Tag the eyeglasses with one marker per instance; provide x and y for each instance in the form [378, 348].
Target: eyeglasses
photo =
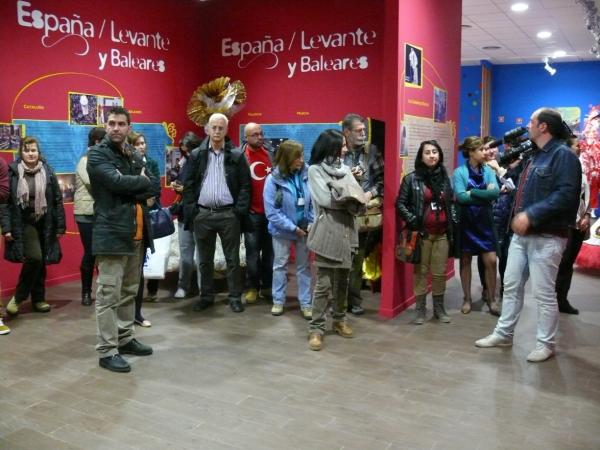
[360, 131]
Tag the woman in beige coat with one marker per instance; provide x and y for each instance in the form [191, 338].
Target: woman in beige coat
[84, 217]
[337, 199]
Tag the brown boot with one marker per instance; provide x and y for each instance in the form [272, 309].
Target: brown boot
[343, 329]
[315, 341]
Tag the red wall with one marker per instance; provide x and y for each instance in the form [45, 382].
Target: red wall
[207, 39]
[437, 32]
[311, 96]
[41, 67]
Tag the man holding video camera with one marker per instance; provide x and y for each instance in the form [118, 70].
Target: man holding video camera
[545, 207]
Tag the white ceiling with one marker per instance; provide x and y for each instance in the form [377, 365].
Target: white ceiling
[493, 23]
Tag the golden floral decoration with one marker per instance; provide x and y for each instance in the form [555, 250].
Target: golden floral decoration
[217, 96]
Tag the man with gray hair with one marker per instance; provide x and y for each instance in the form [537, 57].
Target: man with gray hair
[366, 164]
[216, 198]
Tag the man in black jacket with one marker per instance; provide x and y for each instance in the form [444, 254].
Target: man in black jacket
[216, 199]
[120, 187]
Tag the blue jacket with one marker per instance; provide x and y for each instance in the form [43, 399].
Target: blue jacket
[474, 196]
[282, 220]
[552, 188]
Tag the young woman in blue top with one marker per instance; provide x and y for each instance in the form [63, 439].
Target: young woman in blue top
[288, 208]
[476, 188]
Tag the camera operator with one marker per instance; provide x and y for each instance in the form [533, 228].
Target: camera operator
[545, 207]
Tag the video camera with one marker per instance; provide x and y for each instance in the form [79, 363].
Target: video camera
[516, 145]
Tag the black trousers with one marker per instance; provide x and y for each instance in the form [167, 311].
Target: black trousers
[259, 254]
[207, 224]
[565, 269]
[32, 278]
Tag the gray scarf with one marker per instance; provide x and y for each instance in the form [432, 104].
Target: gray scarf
[39, 179]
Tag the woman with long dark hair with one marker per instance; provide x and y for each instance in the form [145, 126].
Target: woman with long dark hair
[32, 223]
[337, 199]
[476, 189]
[84, 217]
[426, 204]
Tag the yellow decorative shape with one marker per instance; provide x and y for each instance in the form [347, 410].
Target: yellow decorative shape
[217, 96]
[170, 129]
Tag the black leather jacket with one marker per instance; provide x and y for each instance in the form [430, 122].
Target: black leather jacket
[410, 206]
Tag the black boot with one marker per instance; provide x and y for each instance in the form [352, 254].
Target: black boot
[87, 275]
[565, 307]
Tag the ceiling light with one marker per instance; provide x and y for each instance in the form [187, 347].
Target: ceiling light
[559, 54]
[549, 69]
[491, 47]
[544, 34]
[519, 7]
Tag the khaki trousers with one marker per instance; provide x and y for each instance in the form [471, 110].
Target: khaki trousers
[118, 282]
[434, 256]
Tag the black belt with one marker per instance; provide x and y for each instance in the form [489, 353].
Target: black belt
[216, 208]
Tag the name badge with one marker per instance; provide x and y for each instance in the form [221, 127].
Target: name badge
[300, 201]
[434, 206]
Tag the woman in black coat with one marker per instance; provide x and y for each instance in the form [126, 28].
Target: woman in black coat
[32, 223]
[426, 204]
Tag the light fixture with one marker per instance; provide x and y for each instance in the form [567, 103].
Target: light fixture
[491, 47]
[544, 34]
[551, 70]
[519, 7]
[559, 54]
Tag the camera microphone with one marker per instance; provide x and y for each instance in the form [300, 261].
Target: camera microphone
[509, 137]
[496, 143]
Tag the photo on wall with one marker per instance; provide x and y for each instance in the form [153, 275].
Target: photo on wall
[104, 106]
[413, 66]
[83, 109]
[66, 183]
[440, 105]
[10, 136]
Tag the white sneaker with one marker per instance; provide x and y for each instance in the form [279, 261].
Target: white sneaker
[541, 353]
[493, 340]
[180, 293]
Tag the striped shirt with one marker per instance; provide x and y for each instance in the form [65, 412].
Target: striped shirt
[214, 192]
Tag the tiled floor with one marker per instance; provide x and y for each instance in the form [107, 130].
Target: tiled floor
[220, 380]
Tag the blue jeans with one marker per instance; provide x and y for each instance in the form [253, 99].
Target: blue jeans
[281, 251]
[538, 257]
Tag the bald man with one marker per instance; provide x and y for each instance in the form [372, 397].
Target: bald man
[259, 246]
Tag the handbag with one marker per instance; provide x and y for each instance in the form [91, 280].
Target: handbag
[372, 219]
[161, 222]
[408, 249]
